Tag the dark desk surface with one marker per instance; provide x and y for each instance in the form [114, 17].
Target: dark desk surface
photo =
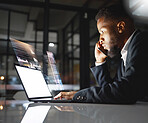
[15, 111]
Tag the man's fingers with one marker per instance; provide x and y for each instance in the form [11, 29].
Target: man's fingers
[58, 96]
[66, 95]
[61, 95]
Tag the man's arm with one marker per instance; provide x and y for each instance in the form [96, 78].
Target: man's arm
[100, 71]
[101, 74]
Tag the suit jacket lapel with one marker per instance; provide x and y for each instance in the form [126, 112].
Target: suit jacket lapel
[131, 43]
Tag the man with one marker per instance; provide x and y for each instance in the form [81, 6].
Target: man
[117, 33]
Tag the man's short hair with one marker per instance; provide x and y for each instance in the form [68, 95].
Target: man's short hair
[114, 12]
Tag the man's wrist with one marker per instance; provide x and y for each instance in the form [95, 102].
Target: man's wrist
[99, 63]
[100, 60]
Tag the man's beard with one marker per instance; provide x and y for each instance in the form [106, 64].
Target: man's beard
[114, 51]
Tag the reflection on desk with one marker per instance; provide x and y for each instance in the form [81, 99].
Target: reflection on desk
[37, 113]
[104, 113]
[17, 111]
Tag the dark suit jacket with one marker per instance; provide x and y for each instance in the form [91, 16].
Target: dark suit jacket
[130, 82]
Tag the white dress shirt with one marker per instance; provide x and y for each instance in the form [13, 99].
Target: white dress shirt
[123, 51]
[125, 48]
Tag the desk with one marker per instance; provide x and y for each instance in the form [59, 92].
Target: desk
[14, 111]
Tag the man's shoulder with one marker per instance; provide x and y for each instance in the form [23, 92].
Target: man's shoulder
[139, 43]
[139, 37]
[141, 34]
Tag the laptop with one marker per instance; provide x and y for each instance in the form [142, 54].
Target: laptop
[35, 114]
[35, 85]
[26, 56]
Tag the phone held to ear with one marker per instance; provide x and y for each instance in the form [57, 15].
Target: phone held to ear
[101, 49]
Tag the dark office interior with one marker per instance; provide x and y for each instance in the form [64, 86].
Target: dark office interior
[67, 28]
[68, 25]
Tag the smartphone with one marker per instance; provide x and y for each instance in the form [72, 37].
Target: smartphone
[101, 49]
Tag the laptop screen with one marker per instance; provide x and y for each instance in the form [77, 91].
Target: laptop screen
[33, 82]
[25, 54]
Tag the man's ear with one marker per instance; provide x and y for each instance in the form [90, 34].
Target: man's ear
[121, 26]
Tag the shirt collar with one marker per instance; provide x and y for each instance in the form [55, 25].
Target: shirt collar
[125, 47]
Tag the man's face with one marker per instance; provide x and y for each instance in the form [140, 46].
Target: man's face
[109, 37]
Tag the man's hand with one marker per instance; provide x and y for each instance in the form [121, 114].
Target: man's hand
[66, 95]
[100, 57]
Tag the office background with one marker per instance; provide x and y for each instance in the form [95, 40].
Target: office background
[65, 27]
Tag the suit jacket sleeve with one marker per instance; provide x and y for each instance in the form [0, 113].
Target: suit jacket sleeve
[129, 87]
[101, 74]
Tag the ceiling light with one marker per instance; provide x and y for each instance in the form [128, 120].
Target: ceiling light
[51, 44]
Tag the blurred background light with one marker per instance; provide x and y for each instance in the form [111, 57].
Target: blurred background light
[2, 77]
[51, 44]
[138, 9]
